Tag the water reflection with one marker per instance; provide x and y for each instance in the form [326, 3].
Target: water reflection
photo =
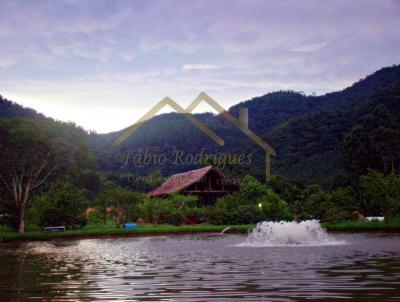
[200, 268]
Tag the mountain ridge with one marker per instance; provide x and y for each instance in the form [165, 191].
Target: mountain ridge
[287, 120]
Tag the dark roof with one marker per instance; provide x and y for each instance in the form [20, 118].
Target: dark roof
[181, 181]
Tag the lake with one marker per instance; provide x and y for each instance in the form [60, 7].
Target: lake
[202, 268]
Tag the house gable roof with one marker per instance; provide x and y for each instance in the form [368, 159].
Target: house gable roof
[181, 181]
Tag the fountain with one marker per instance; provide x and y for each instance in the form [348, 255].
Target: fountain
[304, 233]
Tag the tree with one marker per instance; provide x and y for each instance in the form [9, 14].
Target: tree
[381, 193]
[373, 144]
[32, 151]
[173, 209]
[289, 191]
[61, 201]
[252, 203]
[120, 202]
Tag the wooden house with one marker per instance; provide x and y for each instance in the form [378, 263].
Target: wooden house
[208, 183]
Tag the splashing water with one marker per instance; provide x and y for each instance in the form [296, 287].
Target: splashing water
[304, 233]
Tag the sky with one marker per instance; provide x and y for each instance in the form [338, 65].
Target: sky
[104, 64]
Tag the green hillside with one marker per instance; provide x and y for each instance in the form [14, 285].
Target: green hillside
[312, 147]
[306, 131]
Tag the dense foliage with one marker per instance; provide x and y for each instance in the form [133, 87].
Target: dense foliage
[176, 209]
[381, 194]
[118, 204]
[252, 203]
[374, 143]
[308, 132]
[63, 202]
[338, 159]
[33, 151]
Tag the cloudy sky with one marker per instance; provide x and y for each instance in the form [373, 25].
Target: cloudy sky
[103, 64]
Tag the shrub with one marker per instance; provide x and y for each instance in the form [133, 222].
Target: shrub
[231, 209]
[254, 202]
[381, 193]
[94, 218]
[392, 208]
[175, 218]
[345, 199]
[119, 204]
[63, 203]
[335, 214]
[171, 209]
[356, 216]
[275, 208]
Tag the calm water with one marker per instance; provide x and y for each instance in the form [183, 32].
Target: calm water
[200, 268]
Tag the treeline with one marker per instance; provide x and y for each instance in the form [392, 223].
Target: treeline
[34, 153]
[49, 177]
[377, 195]
[338, 158]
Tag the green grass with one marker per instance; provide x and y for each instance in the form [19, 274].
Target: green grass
[390, 225]
[98, 230]
[7, 234]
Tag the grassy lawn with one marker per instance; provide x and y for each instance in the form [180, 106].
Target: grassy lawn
[109, 229]
[7, 234]
[390, 225]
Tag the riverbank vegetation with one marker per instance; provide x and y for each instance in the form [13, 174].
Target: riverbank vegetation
[104, 213]
[43, 190]
[55, 173]
[389, 225]
[109, 230]
[7, 234]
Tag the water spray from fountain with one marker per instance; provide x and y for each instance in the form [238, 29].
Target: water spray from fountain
[304, 233]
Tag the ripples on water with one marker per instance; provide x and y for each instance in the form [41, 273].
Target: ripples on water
[200, 268]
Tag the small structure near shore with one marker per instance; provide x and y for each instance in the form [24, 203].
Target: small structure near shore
[208, 183]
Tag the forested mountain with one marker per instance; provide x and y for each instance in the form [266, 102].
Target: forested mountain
[265, 112]
[9, 109]
[27, 136]
[306, 131]
[311, 134]
[313, 147]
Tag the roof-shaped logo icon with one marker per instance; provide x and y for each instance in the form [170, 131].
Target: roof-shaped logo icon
[241, 123]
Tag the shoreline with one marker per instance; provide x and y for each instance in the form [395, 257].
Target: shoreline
[362, 230]
[168, 230]
[110, 236]
[11, 237]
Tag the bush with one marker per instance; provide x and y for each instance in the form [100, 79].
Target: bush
[171, 209]
[331, 206]
[195, 215]
[381, 194]
[275, 208]
[345, 199]
[335, 214]
[118, 204]
[356, 216]
[231, 209]
[254, 202]
[62, 204]
[94, 218]
[392, 208]
[175, 218]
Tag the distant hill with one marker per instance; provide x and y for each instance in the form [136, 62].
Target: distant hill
[306, 131]
[12, 110]
[310, 147]
[273, 109]
[9, 109]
